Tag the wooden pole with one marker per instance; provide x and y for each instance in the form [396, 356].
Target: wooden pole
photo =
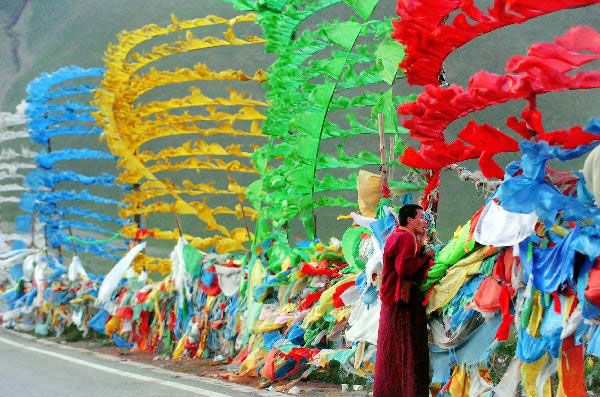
[73, 242]
[245, 219]
[32, 229]
[391, 156]
[137, 218]
[49, 150]
[382, 154]
[178, 225]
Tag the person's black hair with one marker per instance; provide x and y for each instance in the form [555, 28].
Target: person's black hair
[408, 211]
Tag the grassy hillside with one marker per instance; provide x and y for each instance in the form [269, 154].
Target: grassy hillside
[55, 33]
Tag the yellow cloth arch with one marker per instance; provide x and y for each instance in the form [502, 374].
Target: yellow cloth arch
[128, 125]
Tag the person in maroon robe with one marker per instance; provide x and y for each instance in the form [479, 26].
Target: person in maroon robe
[402, 364]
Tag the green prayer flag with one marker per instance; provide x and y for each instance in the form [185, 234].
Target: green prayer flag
[389, 54]
[192, 259]
[350, 247]
[344, 34]
[364, 8]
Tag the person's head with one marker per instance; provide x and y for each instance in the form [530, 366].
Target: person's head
[412, 217]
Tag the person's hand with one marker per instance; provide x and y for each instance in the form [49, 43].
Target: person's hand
[429, 252]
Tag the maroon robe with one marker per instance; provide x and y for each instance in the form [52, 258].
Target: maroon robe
[402, 364]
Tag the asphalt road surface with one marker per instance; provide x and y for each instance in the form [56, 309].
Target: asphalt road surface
[37, 367]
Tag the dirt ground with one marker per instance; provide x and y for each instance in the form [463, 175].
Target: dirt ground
[208, 368]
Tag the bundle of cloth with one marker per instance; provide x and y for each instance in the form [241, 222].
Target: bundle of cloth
[298, 307]
[523, 271]
[41, 295]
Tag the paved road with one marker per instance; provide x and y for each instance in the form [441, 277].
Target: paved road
[37, 367]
